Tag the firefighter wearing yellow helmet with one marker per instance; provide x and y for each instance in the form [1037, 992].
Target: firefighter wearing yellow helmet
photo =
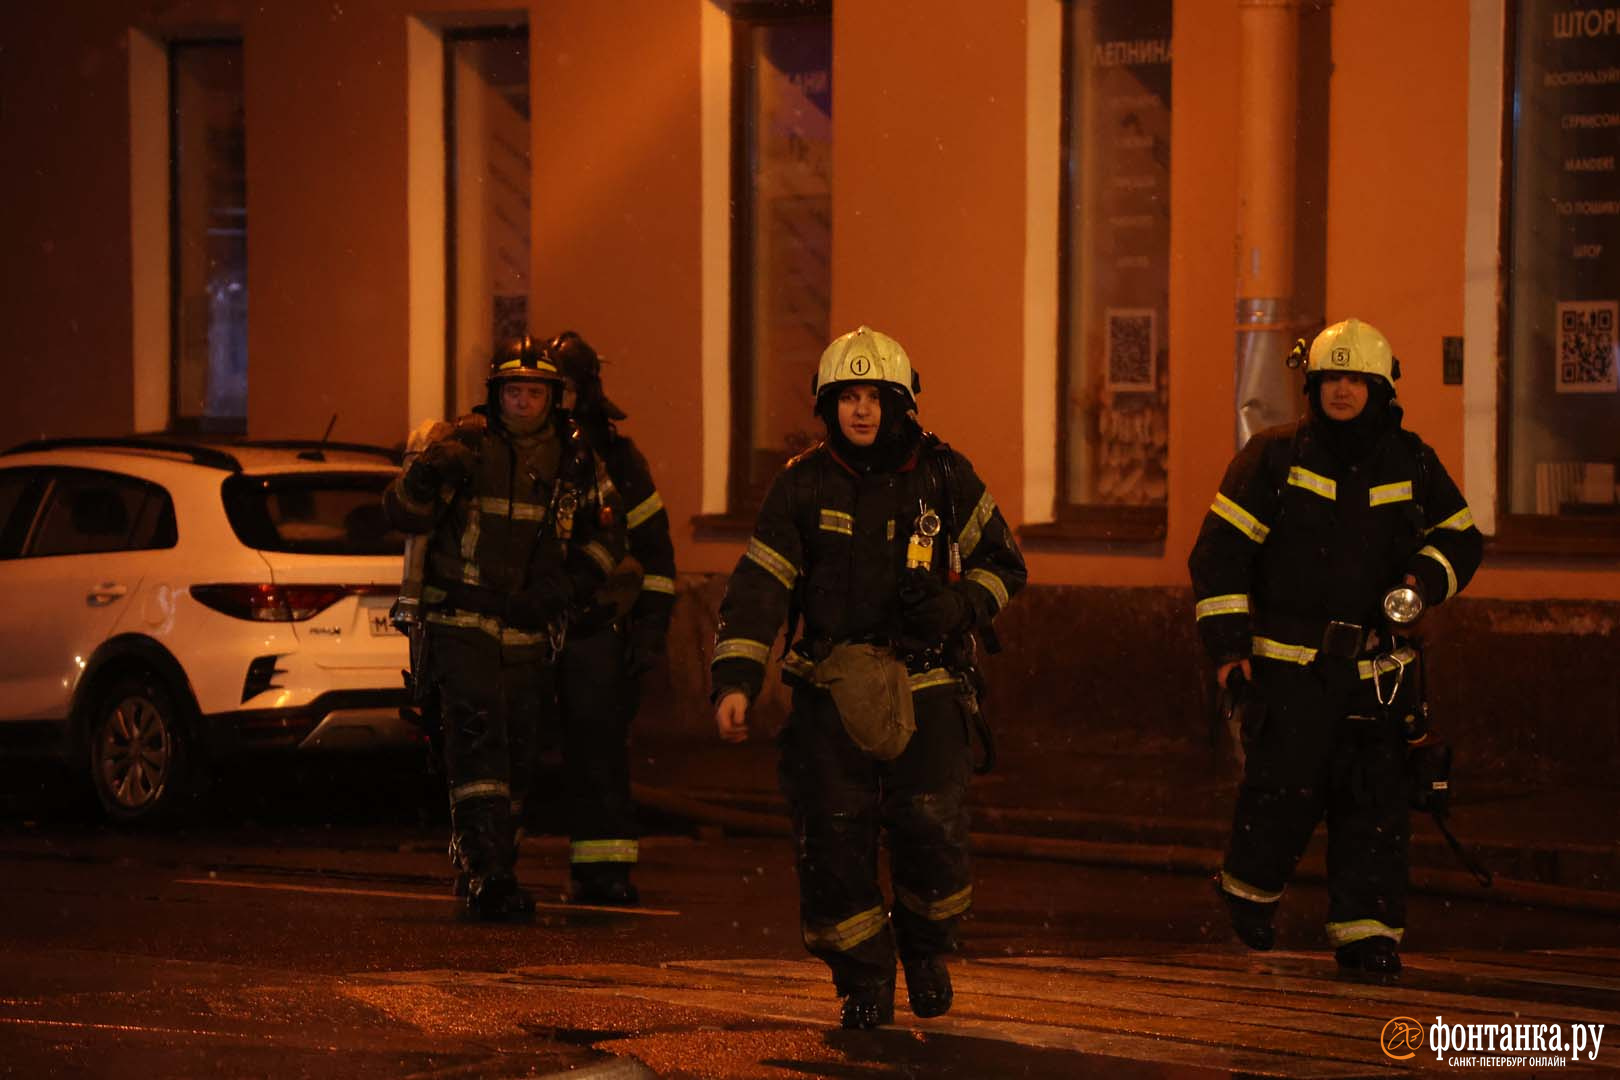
[1353, 346]
[1315, 523]
[890, 554]
[505, 502]
[866, 356]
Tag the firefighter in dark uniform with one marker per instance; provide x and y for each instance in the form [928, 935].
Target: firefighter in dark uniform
[887, 546]
[507, 499]
[1314, 523]
[613, 644]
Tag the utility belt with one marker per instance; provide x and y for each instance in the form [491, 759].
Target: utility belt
[478, 599]
[1325, 637]
[489, 603]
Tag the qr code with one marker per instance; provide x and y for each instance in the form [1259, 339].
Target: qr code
[1586, 347]
[1133, 346]
[511, 316]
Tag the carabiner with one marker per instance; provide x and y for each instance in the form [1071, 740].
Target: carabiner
[1378, 670]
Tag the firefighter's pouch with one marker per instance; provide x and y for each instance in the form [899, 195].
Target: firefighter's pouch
[1429, 774]
[871, 689]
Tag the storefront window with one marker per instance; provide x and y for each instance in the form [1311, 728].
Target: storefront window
[781, 233]
[209, 236]
[1114, 374]
[1561, 407]
[488, 172]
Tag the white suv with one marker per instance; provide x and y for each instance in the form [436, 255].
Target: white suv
[171, 603]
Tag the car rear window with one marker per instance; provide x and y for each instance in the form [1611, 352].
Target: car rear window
[312, 513]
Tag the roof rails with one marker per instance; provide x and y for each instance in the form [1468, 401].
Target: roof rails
[312, 449]
[210, 456]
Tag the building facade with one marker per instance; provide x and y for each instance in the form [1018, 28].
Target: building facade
[1095, 225]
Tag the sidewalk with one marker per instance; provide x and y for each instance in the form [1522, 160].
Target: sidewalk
[1169, 801]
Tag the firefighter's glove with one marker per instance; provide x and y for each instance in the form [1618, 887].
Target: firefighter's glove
[642, 648]
[929, 611]
[540, 604]
[451, 459]
[447, 462]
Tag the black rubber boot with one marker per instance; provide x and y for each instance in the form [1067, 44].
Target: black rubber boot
[928, 985]
[869, 1006]
[497, 898]
[1378, 957]
[607, 884]
[1251, 920]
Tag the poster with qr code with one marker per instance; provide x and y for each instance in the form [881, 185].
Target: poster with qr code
[1586, 361]
[1132, 349]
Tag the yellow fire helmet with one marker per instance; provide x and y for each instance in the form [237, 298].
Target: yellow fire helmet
[865, 356]
[1353, 345]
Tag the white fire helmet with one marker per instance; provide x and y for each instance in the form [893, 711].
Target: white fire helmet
[1353, 345]
[866, 356]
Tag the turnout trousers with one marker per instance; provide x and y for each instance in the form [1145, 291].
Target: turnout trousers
[491, 712]
[1324, 750]
[598, 702]
[842, 801]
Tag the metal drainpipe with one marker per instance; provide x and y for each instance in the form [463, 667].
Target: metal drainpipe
[1268, 107]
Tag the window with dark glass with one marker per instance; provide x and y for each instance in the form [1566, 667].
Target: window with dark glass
[20, 491]
[208, 236]
[781, 234]
[1560, 408]
[488, 185]
[1114, 269]
[88, 512]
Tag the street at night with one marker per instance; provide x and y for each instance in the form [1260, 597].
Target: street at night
[266, 942]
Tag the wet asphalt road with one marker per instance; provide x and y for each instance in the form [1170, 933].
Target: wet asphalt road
[294, 932]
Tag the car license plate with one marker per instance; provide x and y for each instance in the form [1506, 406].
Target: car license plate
[377, 616]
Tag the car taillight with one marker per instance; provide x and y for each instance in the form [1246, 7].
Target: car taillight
[272, 603]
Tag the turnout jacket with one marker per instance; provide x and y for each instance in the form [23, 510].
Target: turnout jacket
[1297, 537]
[647, 526]
[835, 540]
[499, 530]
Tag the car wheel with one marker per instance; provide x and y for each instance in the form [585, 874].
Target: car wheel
[140, 753]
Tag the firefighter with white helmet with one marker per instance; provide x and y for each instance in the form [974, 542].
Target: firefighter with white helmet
[1316, 523]
[885, 555]
[506, 501]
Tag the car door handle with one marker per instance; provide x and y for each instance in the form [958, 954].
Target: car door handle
[105, 593]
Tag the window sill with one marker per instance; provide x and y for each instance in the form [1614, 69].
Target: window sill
[726, 526]
[1566, 537]
[1113, 528]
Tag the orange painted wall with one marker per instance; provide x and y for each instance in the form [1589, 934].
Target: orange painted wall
[616, 250]
[327, 238]
[928, 211]
[65, 217]
[1396, 185]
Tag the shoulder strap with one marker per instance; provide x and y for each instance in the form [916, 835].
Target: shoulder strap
[805, 517]
[939, 451]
